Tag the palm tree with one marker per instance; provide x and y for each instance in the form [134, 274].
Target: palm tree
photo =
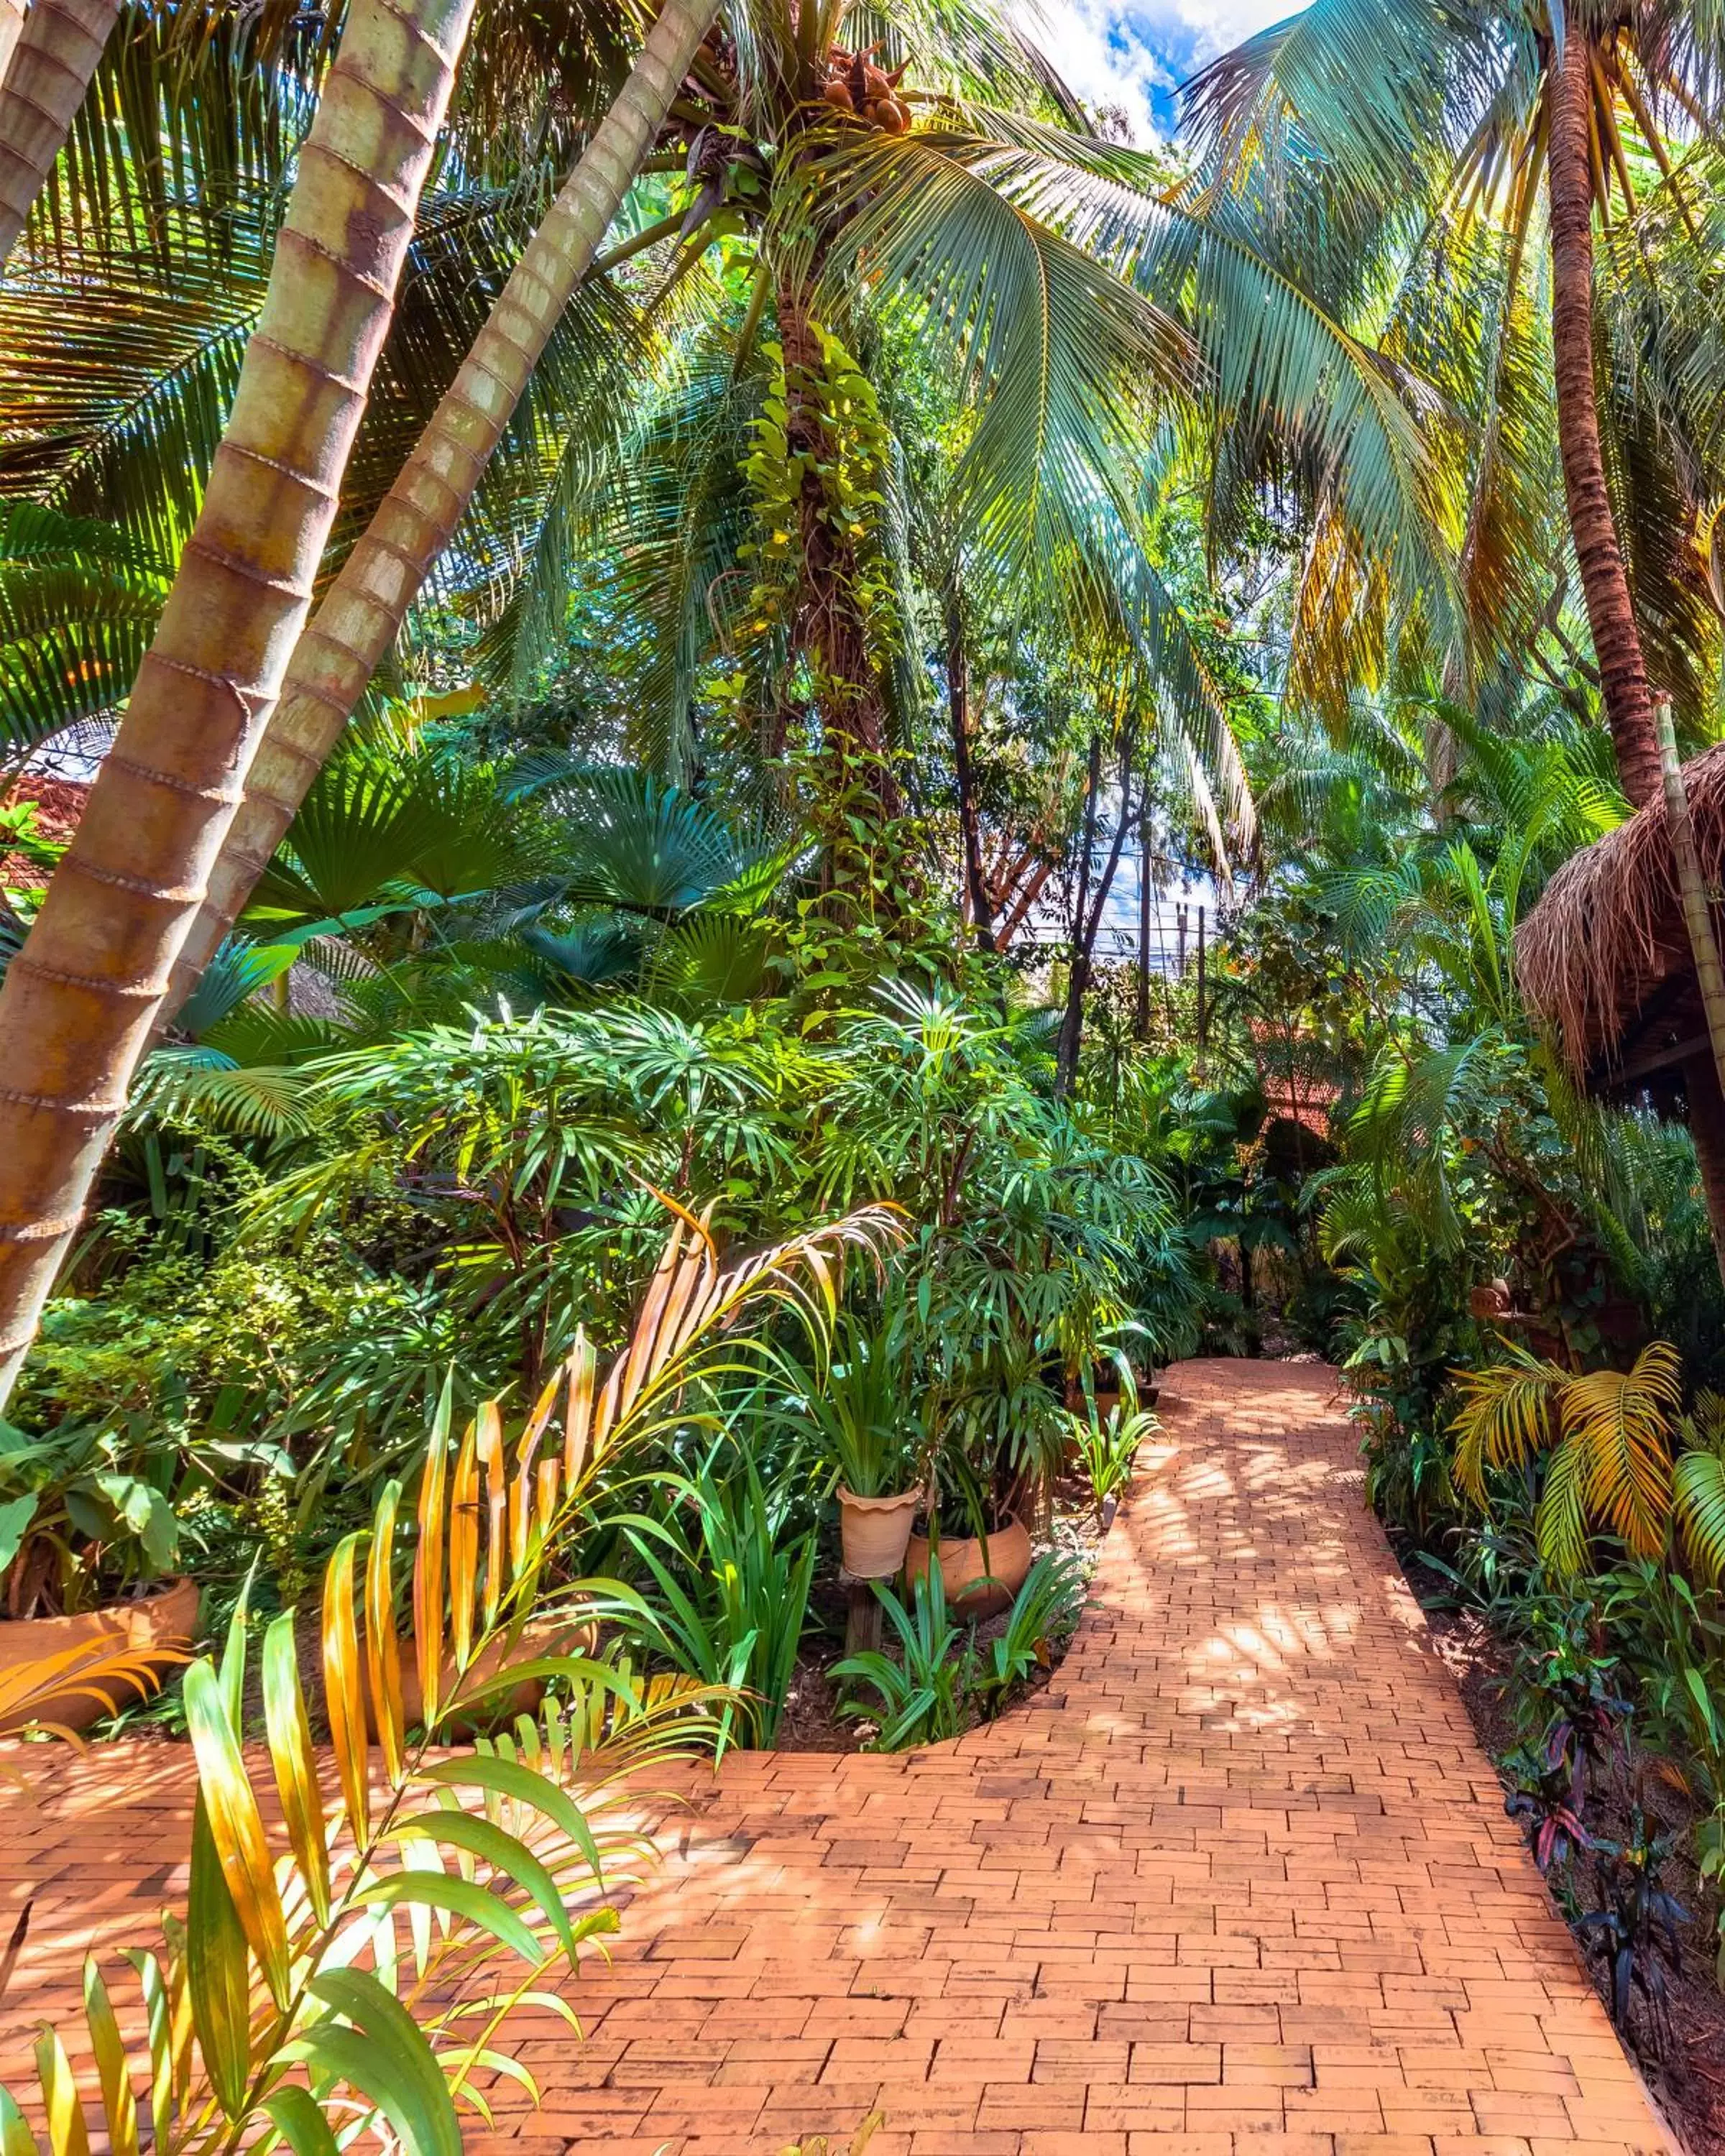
[41, 88]
[943, 220]
[358, 622]
[80, 997]
[1371, 127]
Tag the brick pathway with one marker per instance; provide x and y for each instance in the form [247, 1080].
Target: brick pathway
[1240, 1879]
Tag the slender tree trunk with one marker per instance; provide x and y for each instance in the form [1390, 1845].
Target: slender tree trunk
[1088, 921]
[828, 626]
[355, 627]
[81, 999]
[1706, 1086]
[958, 708]
[1604, 581]
[1072, 1018]
[1141, 1016]
[56, 47]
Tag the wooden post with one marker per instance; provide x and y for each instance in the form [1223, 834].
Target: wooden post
[1704, 948]
[1142, 1024]
[862, 1620]
[1180, 920]
[1201, 1013]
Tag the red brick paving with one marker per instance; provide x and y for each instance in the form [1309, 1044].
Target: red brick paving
[1239, 1883]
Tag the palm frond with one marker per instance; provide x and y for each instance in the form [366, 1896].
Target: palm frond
[1504, 1418]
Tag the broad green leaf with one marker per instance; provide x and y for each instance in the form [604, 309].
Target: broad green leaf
[298, 2118]
[508, 1777]
[462, 1897]
[15, 1516]
[16, 2139]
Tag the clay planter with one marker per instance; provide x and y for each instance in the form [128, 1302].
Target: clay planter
[873, 1531]
[963, 1570]
[541, 1638]
[150, 1631]
[1107, 1397]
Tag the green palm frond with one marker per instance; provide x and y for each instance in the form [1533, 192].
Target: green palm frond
[1357, 91]
[1056, 353]
[116, 387]
[710, 958]
[79, 604]
[639, 846]
[201, 1086]
[236, 972]
[1698, 1503]
[192, 114]
[378, 821]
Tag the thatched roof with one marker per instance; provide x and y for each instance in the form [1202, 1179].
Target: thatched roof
[1605, 955]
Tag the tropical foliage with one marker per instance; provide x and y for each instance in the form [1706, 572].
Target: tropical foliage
[979, 716]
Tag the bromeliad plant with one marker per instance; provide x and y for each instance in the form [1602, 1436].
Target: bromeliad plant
[363, 1977]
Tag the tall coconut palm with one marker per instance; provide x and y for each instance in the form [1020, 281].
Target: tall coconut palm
[357, 624]
[753, 510]
[772, 75]
[1384, 122]
[55, 54]
[80, 998]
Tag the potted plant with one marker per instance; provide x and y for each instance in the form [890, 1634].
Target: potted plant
[860, 1411]
[981, 1572]
[89, 1547]
[1001, 1438]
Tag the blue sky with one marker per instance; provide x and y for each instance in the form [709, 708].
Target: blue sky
[1133, 56]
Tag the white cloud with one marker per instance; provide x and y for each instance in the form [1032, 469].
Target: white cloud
[1133, 56]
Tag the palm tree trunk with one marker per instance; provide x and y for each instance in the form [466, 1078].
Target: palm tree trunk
[829, 628]
[57, 46]
[358, 622]
[12, 24]
[80, 999]
[1604, 581]
[1087, 920]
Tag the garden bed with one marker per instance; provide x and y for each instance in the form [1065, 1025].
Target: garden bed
[812, 1722]
[1688, 2079]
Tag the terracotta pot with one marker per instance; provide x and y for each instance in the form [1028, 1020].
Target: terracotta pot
[148, 1629]
[540, 1637]
[873, 1531]
[964, 1571]
[1108, 1398]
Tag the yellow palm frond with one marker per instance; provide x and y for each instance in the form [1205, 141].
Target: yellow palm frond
[1505, 1416]
[1620, 1423]
[354, 1967]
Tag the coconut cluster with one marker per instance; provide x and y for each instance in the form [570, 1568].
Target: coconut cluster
[855, 84]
